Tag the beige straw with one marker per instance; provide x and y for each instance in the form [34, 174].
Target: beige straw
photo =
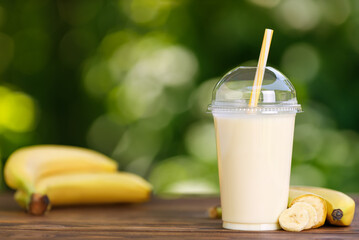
[257, 84]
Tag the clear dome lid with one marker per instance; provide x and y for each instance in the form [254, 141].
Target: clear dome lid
[232, 93]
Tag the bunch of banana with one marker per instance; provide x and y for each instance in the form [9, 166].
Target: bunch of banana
[51, 175]
[309, 207]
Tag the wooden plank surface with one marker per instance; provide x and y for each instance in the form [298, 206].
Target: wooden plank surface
[184, 218]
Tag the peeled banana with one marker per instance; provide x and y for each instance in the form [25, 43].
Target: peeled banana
[341, 207]
[28, 165]
[318, 203]
[84, 188]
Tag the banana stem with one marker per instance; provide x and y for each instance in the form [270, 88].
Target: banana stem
[39, 204]
[33, 203]
[215, 212]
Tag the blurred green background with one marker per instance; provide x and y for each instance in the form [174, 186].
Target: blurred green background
[133, 79]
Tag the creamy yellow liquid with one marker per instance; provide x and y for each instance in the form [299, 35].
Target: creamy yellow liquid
[254, 160]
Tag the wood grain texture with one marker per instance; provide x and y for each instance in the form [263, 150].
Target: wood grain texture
[184, 218]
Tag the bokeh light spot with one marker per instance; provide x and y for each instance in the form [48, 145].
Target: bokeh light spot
[113, 41]
[135, 99]
[301, 62]
[151, 12]
[181, 174]
[169, 171]
[171, 66]
[122, 60]
[336, 11]
[300, 15]
[98, 79]
[176, 65]
[17, 111]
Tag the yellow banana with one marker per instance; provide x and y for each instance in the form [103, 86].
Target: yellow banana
[28, 165]
[341, 207]
[318, 203]
[84, 188]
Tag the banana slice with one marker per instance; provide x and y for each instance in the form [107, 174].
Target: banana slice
[295, 218]
[313, 218]
[319, 205]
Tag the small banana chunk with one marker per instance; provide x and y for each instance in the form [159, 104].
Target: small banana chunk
[297, 217]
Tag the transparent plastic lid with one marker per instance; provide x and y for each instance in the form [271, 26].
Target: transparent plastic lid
[232, 93]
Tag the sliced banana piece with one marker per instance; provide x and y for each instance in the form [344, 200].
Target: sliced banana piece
[319, 205]
[311, 213]
[295, 218]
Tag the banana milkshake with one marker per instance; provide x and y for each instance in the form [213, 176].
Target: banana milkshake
[254, 147]
[254, 154]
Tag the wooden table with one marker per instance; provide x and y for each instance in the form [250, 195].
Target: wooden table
[184, 218]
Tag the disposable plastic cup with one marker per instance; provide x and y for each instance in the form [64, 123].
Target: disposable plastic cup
[254, 147]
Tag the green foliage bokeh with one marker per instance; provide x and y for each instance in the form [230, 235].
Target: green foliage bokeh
[133, 78]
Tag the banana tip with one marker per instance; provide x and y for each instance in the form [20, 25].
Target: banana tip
[337, 214]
